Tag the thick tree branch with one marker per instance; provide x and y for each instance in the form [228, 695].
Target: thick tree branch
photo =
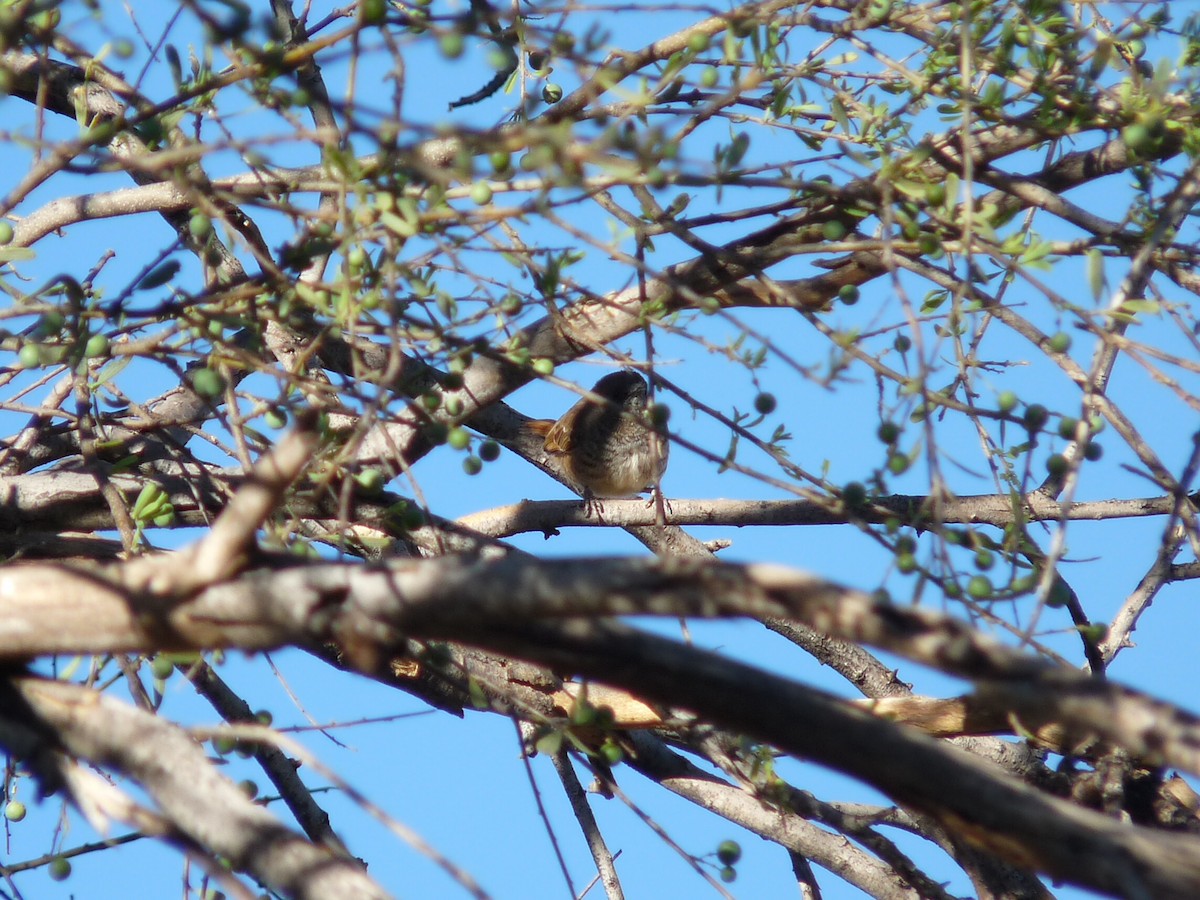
[38, 716]
[365, 609]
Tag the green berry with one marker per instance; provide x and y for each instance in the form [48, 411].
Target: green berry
[501, 160]
[543, 365]
[929, 244]
[472, 465]
[29, 356]
[552, 92]
[728, 874]
[848, 294]
[1036, 416]
[409, 516]
[357, 258]
[897, 463]
[980, 587]
[1138, 139]
[14, 811]
[1057, 465]
[223, 744]
[854, 495]
[1006, 402]
[207, 383]
[1060, 342]
[451, 45]
[729, 852]
[1059, 594]
[698, 42]
[481, 193]
[6, 233]
[906, 563]
[709, 77]
[161, 667]
[1067, 426]
[372, 11]
[97, 345]
[458, 439]
[833, 230]
[60, 869]
[275, 418]
[200, 226]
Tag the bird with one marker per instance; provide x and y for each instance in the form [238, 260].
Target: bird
[606, 443]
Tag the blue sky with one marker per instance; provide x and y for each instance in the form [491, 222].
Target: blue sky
[461, 783]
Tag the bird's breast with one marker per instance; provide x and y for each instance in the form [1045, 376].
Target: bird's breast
[620, 468]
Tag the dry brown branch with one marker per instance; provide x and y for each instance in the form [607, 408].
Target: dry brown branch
[42, 719]
[365, 609]
[919, 276]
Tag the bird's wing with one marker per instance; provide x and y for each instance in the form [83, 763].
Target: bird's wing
[560, 436]
[556, 436]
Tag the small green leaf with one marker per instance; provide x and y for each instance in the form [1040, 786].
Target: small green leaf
[159, 276]
[1095, 273]
[17, 254]
[550, 743]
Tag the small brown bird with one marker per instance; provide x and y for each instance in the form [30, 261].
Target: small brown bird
[609, 447]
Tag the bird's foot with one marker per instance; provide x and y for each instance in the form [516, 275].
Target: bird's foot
[592, 506]
[657, 499]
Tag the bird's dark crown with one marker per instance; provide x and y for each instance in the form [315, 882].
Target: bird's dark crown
[621, 386]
